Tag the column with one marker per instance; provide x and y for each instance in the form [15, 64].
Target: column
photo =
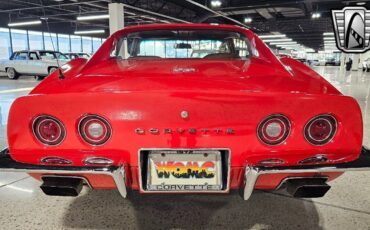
[343, 59]
[355, 62]
[116, 20]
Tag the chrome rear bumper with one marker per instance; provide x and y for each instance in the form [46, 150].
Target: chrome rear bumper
[252, 173]
[7, 164]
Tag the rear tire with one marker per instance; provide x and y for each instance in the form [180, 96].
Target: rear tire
[12, 74]
[39, 78]
[52, 69]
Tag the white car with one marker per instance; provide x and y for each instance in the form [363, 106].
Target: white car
[313, 62]
[38, 63]
[366, 65]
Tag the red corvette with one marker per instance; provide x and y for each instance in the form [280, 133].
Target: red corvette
[185, 108]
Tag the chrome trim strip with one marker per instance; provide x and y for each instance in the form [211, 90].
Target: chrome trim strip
[66, 161]
[227, 189]
[89, 161]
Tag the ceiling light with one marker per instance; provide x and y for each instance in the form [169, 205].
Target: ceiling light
[278, 40]
[288, 46]
[248, 20]
[13, 24]
[328, 34]
[329, 38]
[93, 17]
[361, 3]
[273, 36]
[216, 3]
[90, 32]
[316, 15]
[309, 50]
[292, 45]
[282, 43]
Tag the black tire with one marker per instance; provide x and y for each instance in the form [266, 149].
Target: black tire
[363, 69]
[39, 78]
[367, 69]
[52, 69]
[12, 74]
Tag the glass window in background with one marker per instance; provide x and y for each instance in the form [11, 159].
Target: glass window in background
[49, 39]
[5, 48]
[63, 43]
[87, 45]
[19, 40]
[76, 44]
[35, 39]
[96, 44]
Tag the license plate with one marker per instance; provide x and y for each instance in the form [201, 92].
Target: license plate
[184, 170]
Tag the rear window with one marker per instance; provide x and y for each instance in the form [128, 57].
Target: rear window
[182, 44]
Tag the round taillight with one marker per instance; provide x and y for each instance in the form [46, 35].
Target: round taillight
[48, 130]
[320, 130]
[94, 130]
[273, 130]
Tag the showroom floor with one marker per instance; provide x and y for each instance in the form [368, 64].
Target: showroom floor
[346, 206]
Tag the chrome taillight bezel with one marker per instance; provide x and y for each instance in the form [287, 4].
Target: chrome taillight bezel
[81, 129]
[284, 137]
[36, 132]
[334, 126]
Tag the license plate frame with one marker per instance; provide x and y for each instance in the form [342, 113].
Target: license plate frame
[146, 185]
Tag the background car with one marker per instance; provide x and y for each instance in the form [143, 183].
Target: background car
[38, 63]
[366, 65]
[303, 60]
[332, 61]
[313, 62]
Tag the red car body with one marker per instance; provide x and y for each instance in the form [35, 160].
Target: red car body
[217, 95]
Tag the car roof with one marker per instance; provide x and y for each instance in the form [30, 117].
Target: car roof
[75, 53]
[22, 51]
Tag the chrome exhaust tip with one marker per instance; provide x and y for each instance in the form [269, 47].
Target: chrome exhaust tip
[307, 187]
[61, 186]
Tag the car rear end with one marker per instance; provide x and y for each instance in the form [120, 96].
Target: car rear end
[164, 122]
[184, 143]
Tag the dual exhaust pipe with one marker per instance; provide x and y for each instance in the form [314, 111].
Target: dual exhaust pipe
[296, 187]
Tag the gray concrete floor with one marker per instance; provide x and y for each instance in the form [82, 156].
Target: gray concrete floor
[346, 206]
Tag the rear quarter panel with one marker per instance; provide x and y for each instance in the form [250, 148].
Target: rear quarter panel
[129, 111]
